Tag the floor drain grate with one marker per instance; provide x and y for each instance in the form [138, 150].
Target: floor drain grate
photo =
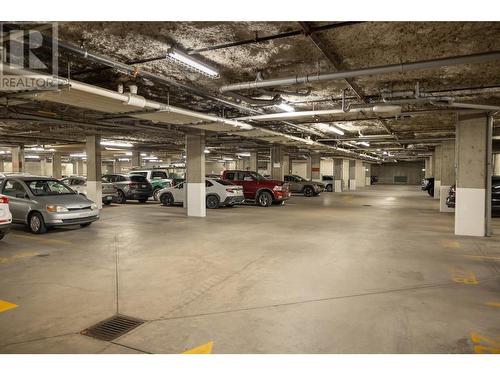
[112, 328]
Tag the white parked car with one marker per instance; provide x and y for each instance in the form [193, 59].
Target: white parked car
[79, 184]
[218, 192]
[5, 216]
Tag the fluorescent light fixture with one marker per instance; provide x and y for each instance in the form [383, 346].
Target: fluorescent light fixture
[364, 143]
[143, 154]
[328, 128]
[116, 144]
[387, 108]
[123, 159]
[227, 159]
[191, 62]
[207, 151]
[4, 152]
[244, 154]
[150, 158]
[128, 153]
[80, 155]
[285, 107]
[32, 157]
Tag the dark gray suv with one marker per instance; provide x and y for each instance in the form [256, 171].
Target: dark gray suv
[130, 187]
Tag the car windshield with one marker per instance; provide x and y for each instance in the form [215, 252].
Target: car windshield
[223, 182]
[257, 176]
[137, 178]
[298, 178]
[144, 174]
[48, 187]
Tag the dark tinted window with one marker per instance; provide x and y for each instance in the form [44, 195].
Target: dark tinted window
[158, 174]
[230, 176]
[208, 183]
[123, 178]
[288, 178]
[107, 178]
[144, 174]
[14, 189]
[137, 178]
[328, 178]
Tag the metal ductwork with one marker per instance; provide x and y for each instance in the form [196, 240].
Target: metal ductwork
[385, 69]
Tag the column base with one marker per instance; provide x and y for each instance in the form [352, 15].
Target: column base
[443, 194]
[338, 186]
[196, 197]
[437, 189]
[94, 192]
[368, 181]
[470, 218]
[352, 184]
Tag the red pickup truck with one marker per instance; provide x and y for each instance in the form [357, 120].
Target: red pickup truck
[256, 187]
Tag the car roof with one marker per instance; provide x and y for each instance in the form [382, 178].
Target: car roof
[30, 178]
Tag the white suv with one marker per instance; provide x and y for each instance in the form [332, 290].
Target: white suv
[5, 216]
[218, 192]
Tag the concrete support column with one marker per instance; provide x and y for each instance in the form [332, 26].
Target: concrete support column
[117, 167]
[337, 175]
[2, 166]
[308, 168]
[315, 167]
[287, 164]
[136, 159]
[56, 166]
[368, 174]
[43, 167]
[254, 161]
[352, 174]
[428, 167]
[277, 168]
[473, 193]
[447, 174]
[79, 167]
[17, 154]
[94, 186]
[360, 174]
[195, 174]
[345, 174]
[496, 165]
[438, 162]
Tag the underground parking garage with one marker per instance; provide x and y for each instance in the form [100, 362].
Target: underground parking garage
[250, 188]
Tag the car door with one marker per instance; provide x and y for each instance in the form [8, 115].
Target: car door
[294, 185]
[250, 185]
[19, 201]
[178, 193]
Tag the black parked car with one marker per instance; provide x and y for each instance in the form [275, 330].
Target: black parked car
[134, 187]
[428, 185]
[495, 196]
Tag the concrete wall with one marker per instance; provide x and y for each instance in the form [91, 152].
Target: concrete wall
[299, 167]
[326, 167]
[387, 172]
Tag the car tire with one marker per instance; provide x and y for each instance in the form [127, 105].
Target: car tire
[431, 192]
[85, 225]
[212, 202]
[264, 199]
[329, 188]
[156, 194]
[308, 191]
[2, 235]
[121, 198]
[167, 199]
[36, 223]
[107, 203]
[143, 200]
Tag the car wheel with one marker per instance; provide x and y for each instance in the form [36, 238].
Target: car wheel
[143, 200]
[265, 199]
[2, 235]
[167, 199]
[85, 225]
[37, 224]
[156, 194]
[308, 191]
[121, 197]
[212, 201]
[431, 192]
[107, 203]
[329, 188]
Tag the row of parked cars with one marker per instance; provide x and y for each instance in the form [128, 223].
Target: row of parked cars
[428, 185]
[43, 202]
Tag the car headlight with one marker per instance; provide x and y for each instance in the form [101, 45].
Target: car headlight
[54, 208]
[278, 188]
[93, 206]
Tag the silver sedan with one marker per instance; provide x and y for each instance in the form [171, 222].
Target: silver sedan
[42, 202]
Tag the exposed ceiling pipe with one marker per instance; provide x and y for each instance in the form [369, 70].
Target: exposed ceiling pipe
[385, 69]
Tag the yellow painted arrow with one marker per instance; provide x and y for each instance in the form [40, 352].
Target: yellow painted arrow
[4, 306]
[493, 303]
[202, 349]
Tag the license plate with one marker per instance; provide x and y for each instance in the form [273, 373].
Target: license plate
[144, 186]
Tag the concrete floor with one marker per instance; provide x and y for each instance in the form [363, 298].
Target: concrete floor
[373, 271]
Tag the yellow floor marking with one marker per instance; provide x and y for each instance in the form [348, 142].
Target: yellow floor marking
[451, 244]
[40, 239]
[493, 303]
[463, 277]
[18, 256]
[202, 349]
[4, 306]
[484, 344]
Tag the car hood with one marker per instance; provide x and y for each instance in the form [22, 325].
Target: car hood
[66, 200]
[274, 182]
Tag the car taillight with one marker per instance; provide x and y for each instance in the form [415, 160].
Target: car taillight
[278, 188]
[4, 200]
[230, 190]
[133, 185]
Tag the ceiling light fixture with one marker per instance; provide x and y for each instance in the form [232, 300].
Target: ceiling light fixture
[79, 155]
[364, 144]
[192, 63]
[285, 107]
[328, 129]
[32, 157]
[387, 108]
[116, 144]
[207, 151]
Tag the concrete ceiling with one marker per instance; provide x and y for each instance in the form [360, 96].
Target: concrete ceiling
[355, 45]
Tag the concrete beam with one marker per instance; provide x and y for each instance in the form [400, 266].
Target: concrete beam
[17, 154]
[315, 167]
[438, 161]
